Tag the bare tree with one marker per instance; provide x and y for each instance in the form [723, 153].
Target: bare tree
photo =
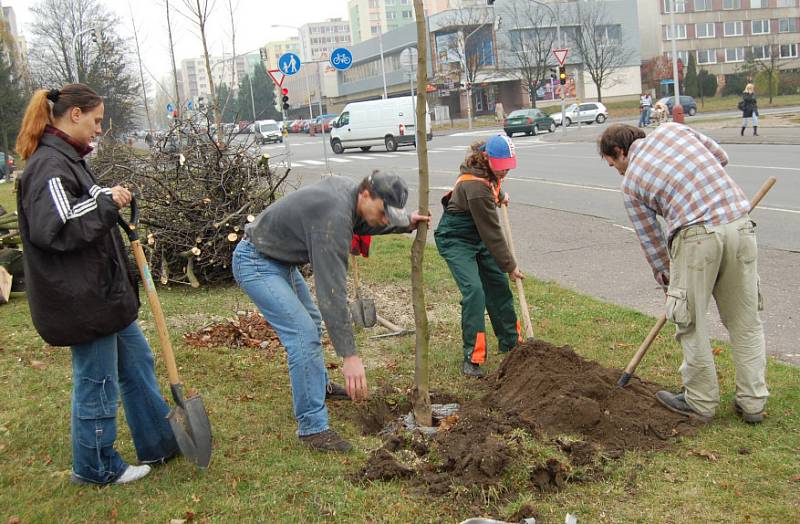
[141, 72]
[422, 399]
[762, 67]
[461, 44]
[600, 44]
[172, 56]
[197, 12]
[528, 48]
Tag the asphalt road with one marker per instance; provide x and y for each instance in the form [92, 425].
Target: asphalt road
[570, 225]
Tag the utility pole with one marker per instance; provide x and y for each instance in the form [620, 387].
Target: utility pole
[174, 68]
[141, 72]
[677, 109]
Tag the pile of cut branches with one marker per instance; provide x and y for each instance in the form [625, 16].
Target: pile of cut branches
[194, 195]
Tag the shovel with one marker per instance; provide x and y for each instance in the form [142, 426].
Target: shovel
[188, 419]
[362, 310]
[523, 303]
[640, 353]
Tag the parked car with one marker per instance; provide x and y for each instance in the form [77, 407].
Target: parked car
[268, 131]
[389, 123]
[687, 102]
[528, 121]
[323, 122]
[590, 112]
[7, 166]
[306, 126]
[294, 126]
[245, 127]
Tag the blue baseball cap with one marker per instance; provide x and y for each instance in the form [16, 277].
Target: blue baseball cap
[500, 150]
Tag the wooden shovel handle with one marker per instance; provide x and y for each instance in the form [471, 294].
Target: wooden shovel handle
[523, 303]
[637, 357]
[158, 314]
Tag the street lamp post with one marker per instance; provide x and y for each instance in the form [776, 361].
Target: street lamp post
[92, 29]
[677, 109]
[561, 43]
[468, 83]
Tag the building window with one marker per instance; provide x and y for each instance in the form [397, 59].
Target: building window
[680, 6]
[759, 27]
[788, 51]
[683, 56]
[758, 4]
[787, 25]
[373, 4]
[374, 29]
[702, 5]
[706, 56]
[733, 28]
[761, 52]
[406, 14]
[680, 32]
[787, 3]
[705, 30]
[731, 4]
[391, 15]
[734, 54]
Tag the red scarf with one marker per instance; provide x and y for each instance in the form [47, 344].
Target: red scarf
[82, 149]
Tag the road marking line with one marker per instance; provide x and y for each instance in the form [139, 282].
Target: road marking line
[296, 163]
[390, 155]
[780, 209]
[626, 228]
[362, 157]
[766, 167]
[314, 162]
[338, 160]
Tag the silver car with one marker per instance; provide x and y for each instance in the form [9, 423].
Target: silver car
[589, 112]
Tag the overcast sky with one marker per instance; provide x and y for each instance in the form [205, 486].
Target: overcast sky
[253, 20]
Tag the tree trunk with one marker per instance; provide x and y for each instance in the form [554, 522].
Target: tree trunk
[141, 73]
[421, 397]
[174, 67]
[201, 24]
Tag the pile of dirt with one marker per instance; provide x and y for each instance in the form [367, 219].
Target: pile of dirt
[549, 393]
[248, 329]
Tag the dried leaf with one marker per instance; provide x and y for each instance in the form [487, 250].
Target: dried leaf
[13, 520]
[796, 478]
[710, 456]
[716, 351]
[38, 364]
[177, 521]
[448, 422]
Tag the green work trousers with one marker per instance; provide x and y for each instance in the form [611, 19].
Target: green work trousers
[483, 286]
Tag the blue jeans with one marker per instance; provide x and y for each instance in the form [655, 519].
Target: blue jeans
[644, 116]
[101, 369]
[282, 296]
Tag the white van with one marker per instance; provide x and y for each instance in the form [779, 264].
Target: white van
[267, 131]
[388, 123]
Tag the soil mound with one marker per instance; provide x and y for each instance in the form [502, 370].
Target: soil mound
[556, 391]
[553, 395]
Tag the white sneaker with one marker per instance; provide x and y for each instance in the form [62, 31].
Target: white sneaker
[133, 473]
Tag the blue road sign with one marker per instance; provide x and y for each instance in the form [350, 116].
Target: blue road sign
[170, 108]
[190, 104]
[289, 63]
[341, 58]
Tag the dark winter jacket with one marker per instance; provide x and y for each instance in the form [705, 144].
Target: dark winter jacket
[749, 105]
[78, 284]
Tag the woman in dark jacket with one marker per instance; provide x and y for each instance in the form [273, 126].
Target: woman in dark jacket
[749, 107]
[79, 289]
[470, 239]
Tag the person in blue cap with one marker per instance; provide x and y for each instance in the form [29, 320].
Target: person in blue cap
[470, 239]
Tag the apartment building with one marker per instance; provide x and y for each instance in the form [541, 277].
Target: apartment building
[194, 77]
[318, 39]
[720, 33]
[272, 51]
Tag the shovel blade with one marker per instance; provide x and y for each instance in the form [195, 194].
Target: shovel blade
[192, 430]
[364, 313]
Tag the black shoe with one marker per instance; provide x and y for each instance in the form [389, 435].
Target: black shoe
[335, 392]
[677, 403]
[742, 133]
[327, 440]
[755, 130]
[161, 460]
[473, 370]
[750, 418]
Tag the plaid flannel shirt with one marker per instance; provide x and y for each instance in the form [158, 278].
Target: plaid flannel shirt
[677, 173]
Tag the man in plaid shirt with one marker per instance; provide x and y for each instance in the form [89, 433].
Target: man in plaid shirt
[709, 250]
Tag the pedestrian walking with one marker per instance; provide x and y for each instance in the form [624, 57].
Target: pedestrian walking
[316, 224]
[749, 108]
[708, 251]
[80, 291]
[645, 105]
[470, 239]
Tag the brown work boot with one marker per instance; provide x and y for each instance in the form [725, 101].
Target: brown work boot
[334, 391]
[327, 440]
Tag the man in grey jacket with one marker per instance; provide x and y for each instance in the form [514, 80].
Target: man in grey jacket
[316, 224]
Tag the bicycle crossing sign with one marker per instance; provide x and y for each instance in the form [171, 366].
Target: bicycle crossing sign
[341, 58]
[289, 64]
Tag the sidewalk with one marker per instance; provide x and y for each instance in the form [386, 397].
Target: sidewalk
[773, 129]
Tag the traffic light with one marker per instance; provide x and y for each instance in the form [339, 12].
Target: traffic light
[562, 75]
[285, 97]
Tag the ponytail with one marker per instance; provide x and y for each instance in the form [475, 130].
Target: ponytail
[37, 116]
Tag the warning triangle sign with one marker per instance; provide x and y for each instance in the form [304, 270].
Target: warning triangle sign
[277, 82]
[561, 55]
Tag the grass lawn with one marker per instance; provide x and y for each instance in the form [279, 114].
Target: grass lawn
[260, 472]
